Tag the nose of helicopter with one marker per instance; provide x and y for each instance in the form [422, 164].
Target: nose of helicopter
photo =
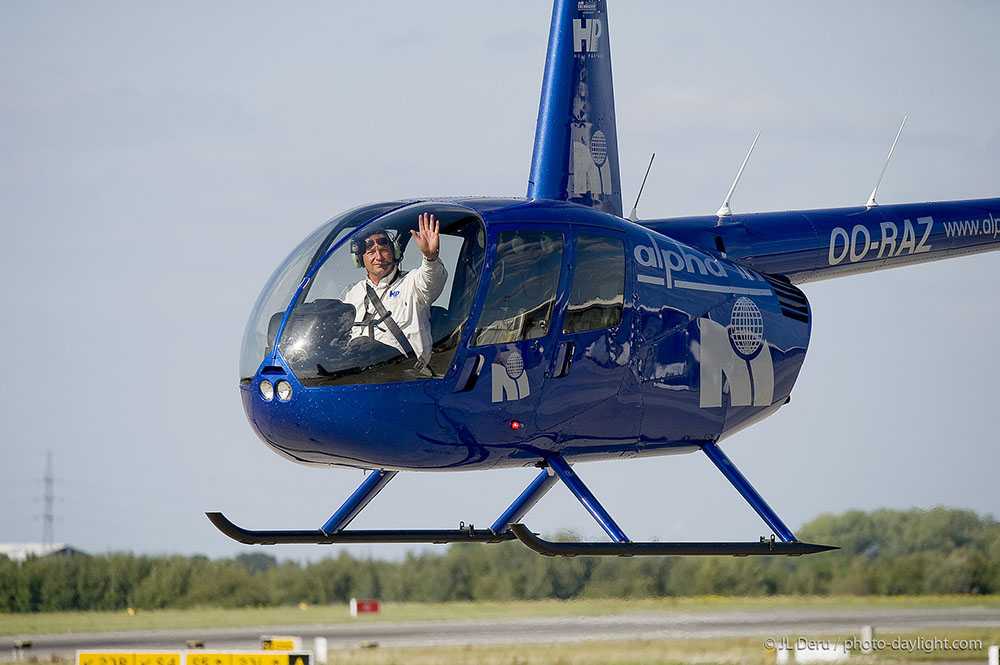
[366, 426]
[300, 424]
[318, 390]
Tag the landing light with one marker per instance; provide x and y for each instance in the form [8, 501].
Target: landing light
[284, 389]
[266, 391]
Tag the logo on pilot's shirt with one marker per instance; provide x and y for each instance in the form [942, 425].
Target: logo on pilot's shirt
[393, 294]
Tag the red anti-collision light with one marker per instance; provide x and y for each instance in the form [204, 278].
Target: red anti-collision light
[515, 424]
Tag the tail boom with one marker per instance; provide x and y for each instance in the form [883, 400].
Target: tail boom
[812, 245]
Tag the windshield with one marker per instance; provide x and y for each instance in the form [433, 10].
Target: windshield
[375, 309]
[274, 298]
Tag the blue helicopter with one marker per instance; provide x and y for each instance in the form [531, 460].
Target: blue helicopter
[550, 329]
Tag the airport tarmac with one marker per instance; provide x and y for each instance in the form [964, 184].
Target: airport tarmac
[776, 624]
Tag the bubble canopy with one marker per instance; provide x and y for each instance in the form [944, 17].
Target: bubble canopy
[304, 306]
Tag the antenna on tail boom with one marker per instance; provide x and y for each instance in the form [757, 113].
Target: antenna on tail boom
[633, 216]
[871, 199]
[725, 210]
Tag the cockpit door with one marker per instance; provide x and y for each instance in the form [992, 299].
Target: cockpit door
[588, 394]
[508, 355]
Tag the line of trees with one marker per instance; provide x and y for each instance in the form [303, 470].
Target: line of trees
[883, 552]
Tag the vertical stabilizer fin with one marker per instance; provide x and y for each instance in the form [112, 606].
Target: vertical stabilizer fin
[575, 155]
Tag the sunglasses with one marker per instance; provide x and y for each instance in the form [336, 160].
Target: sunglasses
[381, 241]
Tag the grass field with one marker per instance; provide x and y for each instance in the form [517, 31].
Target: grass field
[716, 651]
[73, 622]
[632, 652]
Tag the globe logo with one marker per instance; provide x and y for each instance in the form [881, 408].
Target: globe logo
[599, 147]
[514, 364]
[746, 328]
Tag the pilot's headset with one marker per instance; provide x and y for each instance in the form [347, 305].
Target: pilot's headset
[358, 245]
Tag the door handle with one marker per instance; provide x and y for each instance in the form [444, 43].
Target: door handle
[564, 358]
[469, 373]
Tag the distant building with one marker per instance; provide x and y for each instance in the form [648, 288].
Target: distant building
[23, 551]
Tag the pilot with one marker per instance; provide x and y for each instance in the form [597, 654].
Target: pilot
[393, 307]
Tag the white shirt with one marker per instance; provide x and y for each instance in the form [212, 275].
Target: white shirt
[408, 297]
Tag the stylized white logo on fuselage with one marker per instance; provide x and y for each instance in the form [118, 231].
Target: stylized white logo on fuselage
[741, 354]
[510, 381]
[682, 267]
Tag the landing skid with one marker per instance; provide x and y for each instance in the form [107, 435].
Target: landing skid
[516, 532]
[762, 548]
[509, 527]
[318, 537]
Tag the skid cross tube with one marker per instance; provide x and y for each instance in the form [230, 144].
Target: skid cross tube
[542, 483]
[372, 485]
[586, 497]
[744, 487]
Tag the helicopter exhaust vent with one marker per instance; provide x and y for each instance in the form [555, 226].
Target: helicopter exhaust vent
[793, 302]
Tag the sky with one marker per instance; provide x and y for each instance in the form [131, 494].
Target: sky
[158, 161]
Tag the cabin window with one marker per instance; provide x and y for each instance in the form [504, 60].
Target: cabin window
[522, 292]
[598, 292]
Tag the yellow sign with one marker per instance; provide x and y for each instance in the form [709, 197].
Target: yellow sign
[105, 658]
[279, 644]
[201, 658]
[157, 659]
[195, 657]
[128, 658]
[198, 658]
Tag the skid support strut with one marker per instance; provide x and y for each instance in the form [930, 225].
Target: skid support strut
[333, 532]
[623, 547]
[587, 498]
[509, 527]
[745, 489]
[356, 502]
[542, 483]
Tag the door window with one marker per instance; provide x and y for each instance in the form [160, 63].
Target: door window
[598, 292]
[522, 292]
